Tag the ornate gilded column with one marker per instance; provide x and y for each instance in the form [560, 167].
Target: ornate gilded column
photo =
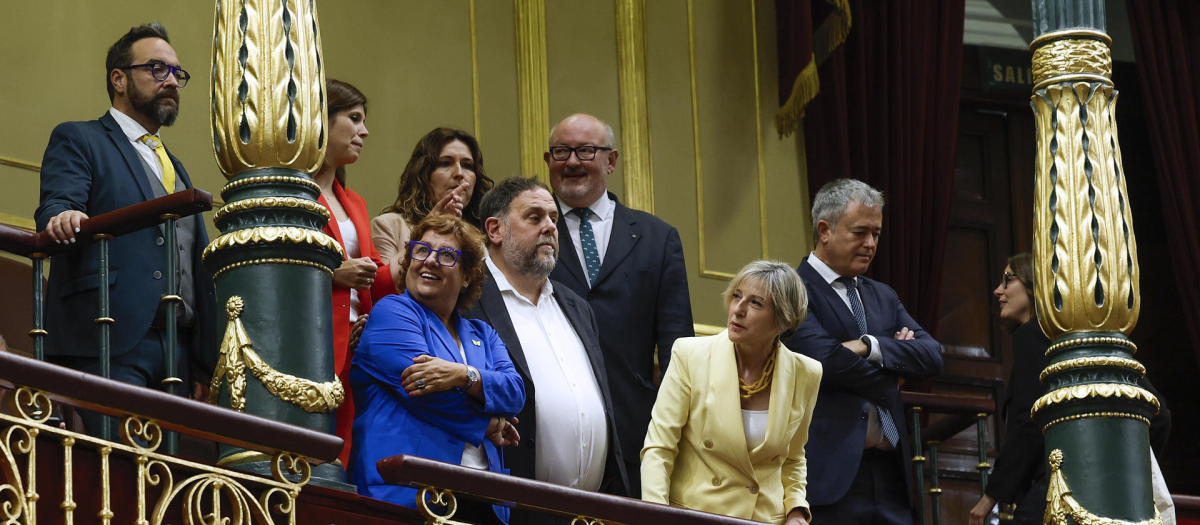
[273, 265]
[1094, 415]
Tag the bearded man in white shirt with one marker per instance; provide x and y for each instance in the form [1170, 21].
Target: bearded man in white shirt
[551, 334]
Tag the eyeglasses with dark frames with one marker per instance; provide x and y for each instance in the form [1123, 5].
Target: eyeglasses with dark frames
[446, 256]
[1008, 278]
[581, 153]
[161, 72]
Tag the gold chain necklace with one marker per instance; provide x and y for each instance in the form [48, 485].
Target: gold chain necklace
[764, 380]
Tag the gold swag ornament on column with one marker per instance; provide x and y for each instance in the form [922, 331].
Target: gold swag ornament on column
[269, 121]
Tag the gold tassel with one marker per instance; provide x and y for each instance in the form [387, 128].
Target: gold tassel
[839, 32]
[807, 85]
[1056, 507]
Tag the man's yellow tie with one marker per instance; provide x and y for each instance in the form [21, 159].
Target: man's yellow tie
[168, 177]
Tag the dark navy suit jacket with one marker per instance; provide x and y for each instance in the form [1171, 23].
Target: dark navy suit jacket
[92, 167]
[641, 301]
[850, 381]
[389, 422]
[522, 459]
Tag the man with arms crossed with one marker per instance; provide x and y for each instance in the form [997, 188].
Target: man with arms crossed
[867, 343]
[568, 436]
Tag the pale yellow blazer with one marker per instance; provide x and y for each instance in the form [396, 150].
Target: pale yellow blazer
[696, 455]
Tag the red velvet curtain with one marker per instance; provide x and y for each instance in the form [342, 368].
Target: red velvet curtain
[1167, 47]
[887, 114]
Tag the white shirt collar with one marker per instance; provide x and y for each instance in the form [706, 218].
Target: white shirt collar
[133, 131]
[603, 207]
[823, 269]
[505, 286]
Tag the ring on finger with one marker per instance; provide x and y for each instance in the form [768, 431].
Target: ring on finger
[420, 384]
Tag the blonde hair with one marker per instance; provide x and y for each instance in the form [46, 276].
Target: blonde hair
[784, 286]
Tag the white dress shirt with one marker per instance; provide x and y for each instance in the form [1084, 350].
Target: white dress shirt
[350, 240]
[875, 437]
[601, 219]
[572, 437]
[134, 132]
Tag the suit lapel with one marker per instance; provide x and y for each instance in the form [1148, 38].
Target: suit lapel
[566, 250]
[725, 398]
[866, 293]
[131, 156]
[492, 304]
[783, 388]
[571, 310]
[625, 235]
[472, 342]
[836, 304]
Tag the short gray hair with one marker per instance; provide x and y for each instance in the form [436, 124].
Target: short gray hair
[833, 198]
[784, 286]
[608, 132]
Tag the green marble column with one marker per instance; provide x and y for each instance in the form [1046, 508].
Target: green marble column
[1094, 416]
[272, 264]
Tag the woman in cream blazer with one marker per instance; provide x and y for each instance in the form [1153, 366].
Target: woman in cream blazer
[731, 420]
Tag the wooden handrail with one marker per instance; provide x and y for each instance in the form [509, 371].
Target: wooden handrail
[544, 498]
[115, 223]
[944, 404]
[170, 412]
[1186, 506]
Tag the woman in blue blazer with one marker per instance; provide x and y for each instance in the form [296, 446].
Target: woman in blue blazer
[427, 382]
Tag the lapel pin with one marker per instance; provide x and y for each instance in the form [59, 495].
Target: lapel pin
[476, 342]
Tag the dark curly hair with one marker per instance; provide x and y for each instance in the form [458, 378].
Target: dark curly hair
[471, 262]
[414, 199]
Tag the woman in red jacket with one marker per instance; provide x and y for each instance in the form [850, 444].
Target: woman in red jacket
[362, 278]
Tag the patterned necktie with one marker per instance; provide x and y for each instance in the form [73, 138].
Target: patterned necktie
[587, 239]
[886, 424]
[168, 176]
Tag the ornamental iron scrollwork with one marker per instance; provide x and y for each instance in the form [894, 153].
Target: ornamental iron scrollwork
[205, 495]
[443, 498]
[237, 354]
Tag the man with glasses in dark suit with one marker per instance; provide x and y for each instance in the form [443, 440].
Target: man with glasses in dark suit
[629, 266]
[99, 166]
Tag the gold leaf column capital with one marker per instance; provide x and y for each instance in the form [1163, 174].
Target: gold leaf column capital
[635, 117]
[533, 100]
[1085, 251]
[268, 86]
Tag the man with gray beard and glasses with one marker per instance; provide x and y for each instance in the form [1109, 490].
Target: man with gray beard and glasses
[551, 334]
[99, 166]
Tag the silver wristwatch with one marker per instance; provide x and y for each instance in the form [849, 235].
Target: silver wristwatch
[472, 377]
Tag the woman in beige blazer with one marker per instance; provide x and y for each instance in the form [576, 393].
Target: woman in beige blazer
[729, 426]
[444, 175]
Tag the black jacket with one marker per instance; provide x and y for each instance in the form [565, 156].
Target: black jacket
[521, 460]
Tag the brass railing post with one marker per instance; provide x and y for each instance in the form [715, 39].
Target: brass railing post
[935, 493]
[38, 333]
[919, 464]
[983, 466]
[105, 323]
[172, 300]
